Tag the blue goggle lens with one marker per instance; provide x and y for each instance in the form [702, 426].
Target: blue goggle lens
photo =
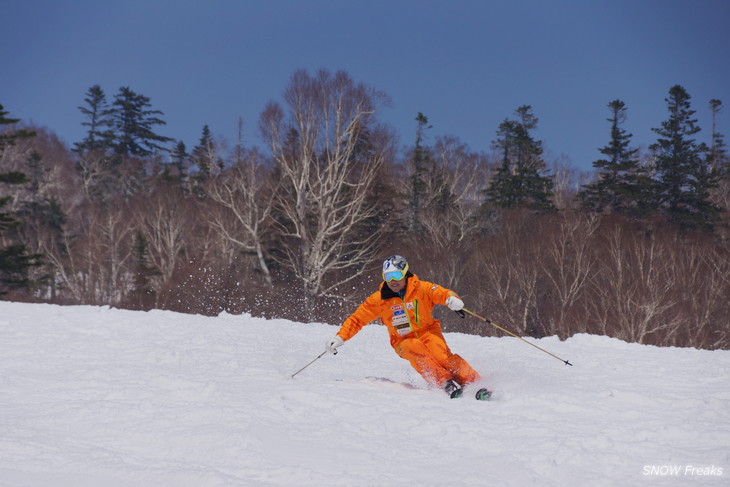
[393, 275]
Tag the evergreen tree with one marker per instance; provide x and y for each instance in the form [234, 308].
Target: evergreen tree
[36, 173]
[8, 138]
[519, 181]
[717, 155]
[142, 295]
[179, 159]
[40, 210]
[683, 176]
[505, 188]
[44, 219]
[622, 184]
[15, 261]
[134, 124]
[100, 120]
[204, 155]
[421, 160]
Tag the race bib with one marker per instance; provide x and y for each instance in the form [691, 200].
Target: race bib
[401, 322]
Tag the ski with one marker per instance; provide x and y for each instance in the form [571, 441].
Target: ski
[452, 388]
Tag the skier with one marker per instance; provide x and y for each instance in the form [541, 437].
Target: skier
[404, 304]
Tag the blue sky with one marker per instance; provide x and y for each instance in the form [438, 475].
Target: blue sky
[465, 64]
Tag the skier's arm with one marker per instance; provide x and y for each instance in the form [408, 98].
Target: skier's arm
[365, 313]
[447, 297]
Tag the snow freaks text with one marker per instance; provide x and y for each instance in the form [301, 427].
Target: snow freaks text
[681, 470]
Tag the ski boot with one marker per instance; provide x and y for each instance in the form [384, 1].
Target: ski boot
[483, 394]
[452, 388]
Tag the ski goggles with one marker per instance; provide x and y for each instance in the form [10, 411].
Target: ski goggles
[395, 275]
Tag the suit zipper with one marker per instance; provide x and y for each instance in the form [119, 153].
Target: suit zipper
[415, 313]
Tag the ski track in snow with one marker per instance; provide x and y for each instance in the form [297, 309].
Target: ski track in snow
[93, 396]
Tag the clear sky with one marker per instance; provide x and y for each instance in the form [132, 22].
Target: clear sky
[466, 64]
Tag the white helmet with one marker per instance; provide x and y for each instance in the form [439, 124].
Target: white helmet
[395, 268]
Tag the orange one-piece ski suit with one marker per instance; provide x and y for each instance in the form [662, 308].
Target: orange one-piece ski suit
[415, 334]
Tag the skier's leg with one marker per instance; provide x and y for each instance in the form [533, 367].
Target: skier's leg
[460, 368]
[417, 353]
[434, 341]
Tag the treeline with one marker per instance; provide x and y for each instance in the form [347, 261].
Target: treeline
[298, 227]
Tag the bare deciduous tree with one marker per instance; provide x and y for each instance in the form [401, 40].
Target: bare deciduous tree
[567, 182]
[453, 193]
[636, 285]
[327, 152]
[245, 193]
[511, 270]
[449, 202]
[702, 272]
[92, 260]
[165, 218]
[568, 264]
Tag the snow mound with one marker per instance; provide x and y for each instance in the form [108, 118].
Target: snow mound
[93, 396]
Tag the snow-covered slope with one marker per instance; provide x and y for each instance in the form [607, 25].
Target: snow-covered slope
[101, 397]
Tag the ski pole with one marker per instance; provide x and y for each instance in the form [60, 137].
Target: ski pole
[510, 333]
[310, 363]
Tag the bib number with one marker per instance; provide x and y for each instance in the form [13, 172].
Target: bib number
[401, 323]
